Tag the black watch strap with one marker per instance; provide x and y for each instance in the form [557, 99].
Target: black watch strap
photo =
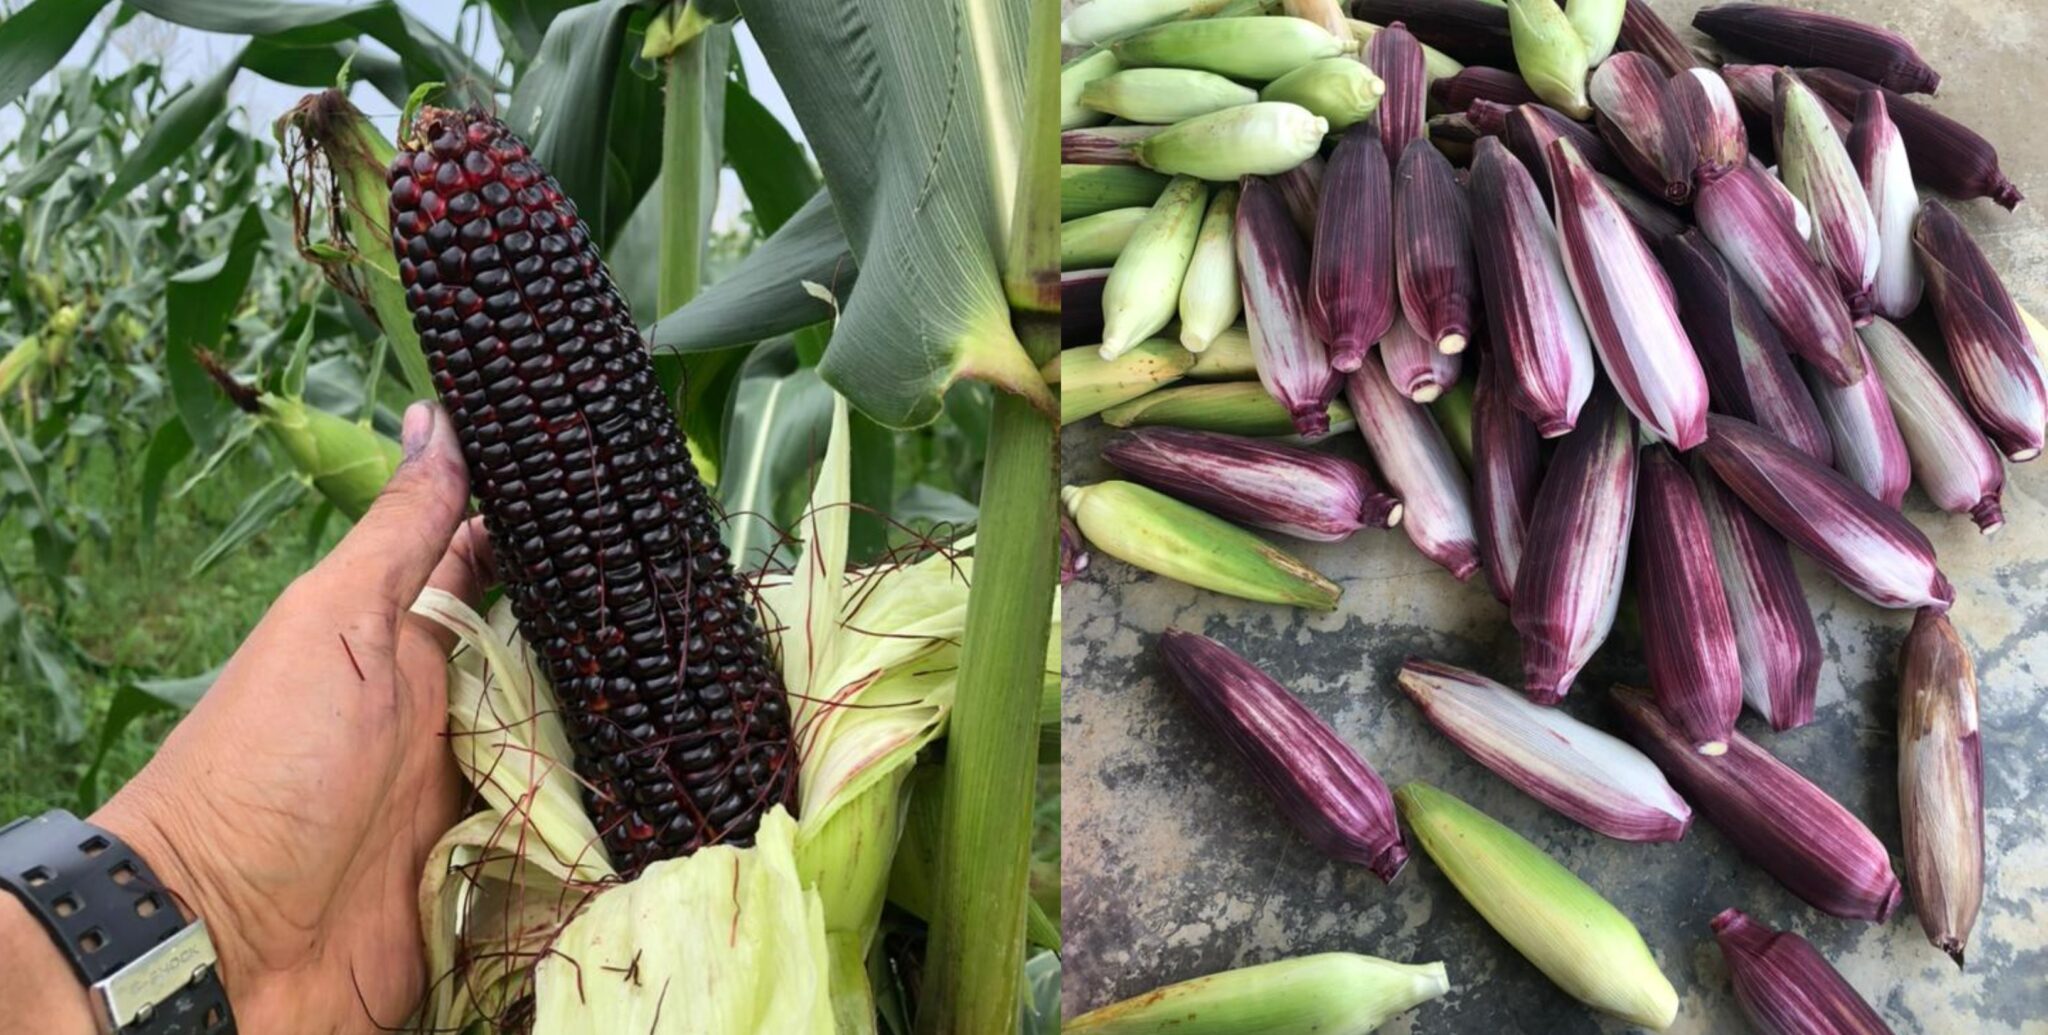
[149, 973]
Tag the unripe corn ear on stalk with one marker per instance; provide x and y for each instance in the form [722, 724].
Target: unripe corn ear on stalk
[605, 537]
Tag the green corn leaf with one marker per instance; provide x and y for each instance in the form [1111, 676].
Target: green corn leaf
[183, 121]
[770, 164]
[562, 105]
[36, 37]
[258, 513]
[197, 305]
[766, 295]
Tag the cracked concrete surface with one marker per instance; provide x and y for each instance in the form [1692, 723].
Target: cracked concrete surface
[1176, 867]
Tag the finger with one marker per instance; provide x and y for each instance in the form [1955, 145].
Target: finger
[392, 551]
[465, 571]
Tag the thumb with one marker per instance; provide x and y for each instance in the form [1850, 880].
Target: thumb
[392, 551]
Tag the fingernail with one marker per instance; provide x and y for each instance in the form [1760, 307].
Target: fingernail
[417, 428]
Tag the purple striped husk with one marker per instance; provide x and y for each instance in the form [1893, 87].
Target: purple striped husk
[1941, 782]
[1988, 345]
[1273, 269]
[1947, 156]
[1785, 986]
[1301, 189]
[1654, 220]
[1073, 549]
[1952, 460]
[1505, 473]
[1887, 174]
[1870, 547]
[1433, 248]
[1629, 307]
[1644, 32]
[1103, 145]
[1258, 482]
[1351, 273]
[1394, 55]
[1416, 368]
[1749, 375]
[1585, 774]
[1813, 162]
[1713, 123]
[1868, 447]
[1641, 122]
[1529, 302]
[1569, 583]
[1416, 460]
[1529, 130]
[1081, 304]
[1688, 636]
[1329, 793]
[1775, 639]
[1747, 219]
[1776, 818]
[1792, 37]
[1480, 83]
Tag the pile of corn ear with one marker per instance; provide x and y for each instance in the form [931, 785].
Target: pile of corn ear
[1605, 309]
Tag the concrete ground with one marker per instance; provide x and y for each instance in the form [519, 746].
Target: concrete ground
[1176, 867]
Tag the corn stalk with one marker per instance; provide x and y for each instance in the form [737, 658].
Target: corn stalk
[975, 951]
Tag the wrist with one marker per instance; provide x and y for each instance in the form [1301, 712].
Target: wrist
[183, 873]
[40, 989]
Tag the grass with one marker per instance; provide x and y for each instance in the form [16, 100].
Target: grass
[140, 615]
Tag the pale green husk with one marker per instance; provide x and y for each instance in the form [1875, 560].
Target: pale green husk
[1075, 77]
[1095, 21]
[1550, 55]
[1088, 189]
[348, 461]
[1263, 139]
[1235, 407]
[1341, 90]
[1598, 23]
[1257, 49]
[1090, 384]
[1435, 63]
[1143, 288]
[1332, 993]
[1159, 96]
[1210, 298]
[1574, 936]
[1228, 356]
[1161, 534]
[1097, 240]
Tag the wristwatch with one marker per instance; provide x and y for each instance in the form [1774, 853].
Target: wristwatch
[147, 972]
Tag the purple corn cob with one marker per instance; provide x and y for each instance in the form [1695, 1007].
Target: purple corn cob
[1988, 345]
[1479, 83]
[1273, 269]
[1394, 55]
[1529, 301]
[1505, 474]
[1316, 780]
[1569, 582]
[1351, 274]
[1785, 986]
[1641, 122]
[1417, 462]
[1257, 482]
[1583, 773]
[1792, 37]
[1941, 782]
[1868, 447]
[1870, 547]
[1473, 31]
[1415, 368]
[1081, 304]
[1433, 248]
[1644, 32]
[1688, 637]
[1775, 639]
[1887, 174]
[1952, 460]
[1947, 156]
[1748, 373]
[1776, 818]
[1628, 305]
[1746, 218]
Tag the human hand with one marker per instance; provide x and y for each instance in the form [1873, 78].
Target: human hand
[295, 807]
